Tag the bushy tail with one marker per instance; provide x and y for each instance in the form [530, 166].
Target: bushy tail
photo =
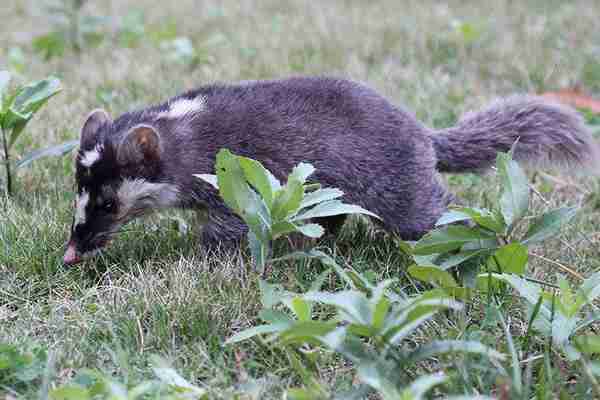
[545, 133]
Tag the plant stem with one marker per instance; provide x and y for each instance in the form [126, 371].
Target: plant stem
[6, 163]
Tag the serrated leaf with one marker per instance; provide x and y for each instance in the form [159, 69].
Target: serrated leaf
[511, 259]
[311, 230]
[514, 200]
[55, 151]
[449, 238]
[210, 179]
[330, 208]
[549, 224]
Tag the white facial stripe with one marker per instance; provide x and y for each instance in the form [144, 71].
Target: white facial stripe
[82, 203]
[139, 195]
[91, 157]
[183, 107]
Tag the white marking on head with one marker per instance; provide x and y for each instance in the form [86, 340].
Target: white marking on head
[183, 107]
[90, 157]
[82, 203]
[136, 196]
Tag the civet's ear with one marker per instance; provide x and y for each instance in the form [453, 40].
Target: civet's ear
[89, 133]
[140, 146]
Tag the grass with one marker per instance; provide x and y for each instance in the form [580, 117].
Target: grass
[155, 291]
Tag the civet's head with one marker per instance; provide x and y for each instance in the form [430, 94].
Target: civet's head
[117, 170]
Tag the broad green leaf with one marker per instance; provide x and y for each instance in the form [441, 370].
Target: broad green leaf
[231, 181]
[311, 230]
[439, 347]
[320, 196]
[306, 331]
[301, 172]
[549, 224]
[511, 259]
[484, 218]
[282, 228]
[210, 179]
[447, 261]
[274, 316]
[260, 178]
[452, 216]
[31, 97]
[590, 290]
[257, 330]
[287, 200]
[271, 294]
[56, 151]
[587, 344]
[70, 392]
[330, 208]
[301, 308]
[4, 82]
[449, 238]
[514, 200]
[354, 305]
[432, 275]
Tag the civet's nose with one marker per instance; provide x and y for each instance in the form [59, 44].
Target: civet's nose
[71, 256]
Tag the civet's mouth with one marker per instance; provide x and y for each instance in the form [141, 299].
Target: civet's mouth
[72, 256]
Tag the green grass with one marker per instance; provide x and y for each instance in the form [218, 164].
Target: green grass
[155, 291]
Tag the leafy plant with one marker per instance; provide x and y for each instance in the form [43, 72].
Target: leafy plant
[369, 329]
[471, 238]
[72, 29]
[270, 209]
[16, 110]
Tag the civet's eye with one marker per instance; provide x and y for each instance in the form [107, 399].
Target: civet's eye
[108, 206]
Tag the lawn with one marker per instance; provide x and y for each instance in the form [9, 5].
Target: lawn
[156, 292]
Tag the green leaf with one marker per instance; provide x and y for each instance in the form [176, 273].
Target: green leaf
[55, 151]
[449, 238]
[29, 100]
[330, 208]
[260, 178]
[432, 275]
[306, 331]
[260, 251]
[257, 330]
[282, 228]
[70, 392]
[311, 230]
[590, 290]
[271, 294]
[484, 218]
[169, 376]
[549, 224]
[354, 304]
[423, 384]
[301, 172]
[452, 216]
[514, 200]
[301, 308]
[320, 196]
[287, 200]
[587, 344]
[511, 258]
[210, 179]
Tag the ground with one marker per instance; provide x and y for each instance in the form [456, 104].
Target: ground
[155, 291]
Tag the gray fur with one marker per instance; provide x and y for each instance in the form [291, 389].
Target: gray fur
[377, 153]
